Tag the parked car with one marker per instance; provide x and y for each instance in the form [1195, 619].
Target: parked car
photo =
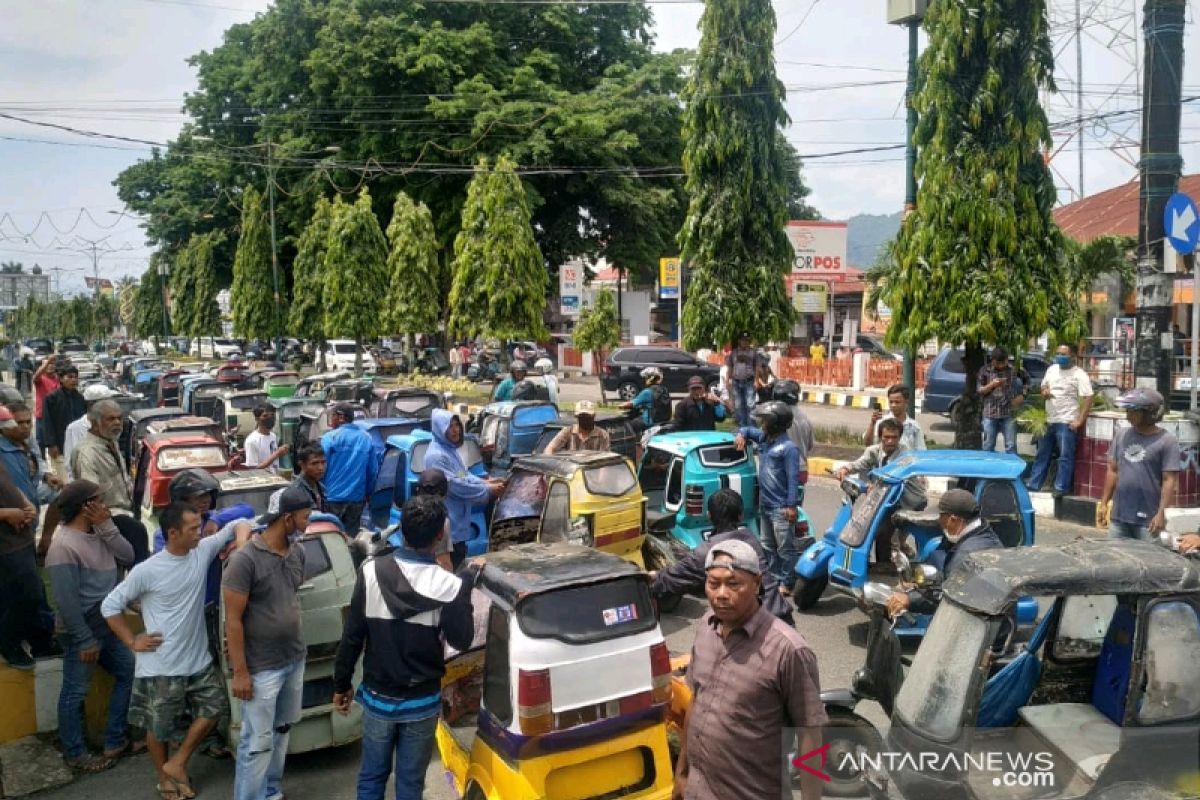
[215, 347]
[873, 345]
[624, 365]
[340, 355]
[39, 346]
[947, 378]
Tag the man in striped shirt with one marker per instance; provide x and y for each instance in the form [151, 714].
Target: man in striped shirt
[403, 604]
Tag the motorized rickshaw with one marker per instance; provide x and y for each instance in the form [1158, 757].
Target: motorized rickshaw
[566, 689]
[581, 497]
[623, 438]
[352, 390]
[1102, 702]
[191, 385]
[287, 421]
[253, 487]
[136, 423]
[145, 382]
[314, 385]
[315, 423]
[841, 557]
[281, 385]
[203, 398]
[168, 388]
[232, 373]
[235, 411]
[404, 401]
[162, 457]
[398, 474]
[510, 429]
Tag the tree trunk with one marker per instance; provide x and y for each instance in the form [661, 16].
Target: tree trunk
[596, 360]
[968, 423]
[358, 369]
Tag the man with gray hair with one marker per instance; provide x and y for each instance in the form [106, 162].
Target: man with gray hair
[98, 459]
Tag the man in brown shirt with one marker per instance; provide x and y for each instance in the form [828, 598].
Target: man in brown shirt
[583, 435]
[752, 677]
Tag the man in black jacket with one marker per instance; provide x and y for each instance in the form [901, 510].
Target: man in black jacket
[686, 576]
[62, 407]
[701, 410]
[965, 532]
[403, 604]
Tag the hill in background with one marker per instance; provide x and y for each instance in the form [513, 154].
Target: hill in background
[866, 233]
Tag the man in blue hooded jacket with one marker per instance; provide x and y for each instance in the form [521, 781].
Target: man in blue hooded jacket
[465, 490]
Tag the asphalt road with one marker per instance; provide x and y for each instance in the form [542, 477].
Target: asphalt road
[834, 629]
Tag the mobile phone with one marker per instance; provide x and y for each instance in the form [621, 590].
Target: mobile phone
[874, 406]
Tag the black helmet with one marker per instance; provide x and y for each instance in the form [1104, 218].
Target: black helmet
[774, 417]
[191, 482]
[786, 391]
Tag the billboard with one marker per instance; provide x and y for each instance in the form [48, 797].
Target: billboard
[820, 249]
[570, 288]
[668, 278]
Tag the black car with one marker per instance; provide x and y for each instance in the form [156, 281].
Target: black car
[874, 346]
[622, 370]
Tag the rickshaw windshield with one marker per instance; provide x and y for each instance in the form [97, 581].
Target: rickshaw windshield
[589, 613]
[524, 497]
[865, 509]
[173, 458]
[411, 406]
[934, 692]
[611, 480]
[247, 402]
[258, 499]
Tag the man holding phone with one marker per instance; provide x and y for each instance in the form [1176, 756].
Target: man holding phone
[912, 438]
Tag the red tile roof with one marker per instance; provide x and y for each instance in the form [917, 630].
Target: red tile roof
[1112, 212]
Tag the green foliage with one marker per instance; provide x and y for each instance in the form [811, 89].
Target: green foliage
[306, 317]
[598, 328]
[126, 289]
[1083, 266]
[733, 238]
[979, 260]
[797, 192]
[194, 286]
[413, 303]
[148, 307]
[355, 273]
[84, 315]
[500, 279]
[251, 299]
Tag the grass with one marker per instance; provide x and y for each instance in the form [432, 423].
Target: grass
[839, 435]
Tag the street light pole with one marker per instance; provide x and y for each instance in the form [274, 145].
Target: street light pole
[274, 248]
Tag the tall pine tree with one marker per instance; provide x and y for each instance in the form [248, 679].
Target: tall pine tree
[306, 315]
[251, 298]
[468, 298]
[414, 272]
[194, 286]
[355, 275]
[515, 275]
[733, 240]
[980, 260]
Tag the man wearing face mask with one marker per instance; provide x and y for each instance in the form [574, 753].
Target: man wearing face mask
[583, 435]
[1064, 386]
[964, 532]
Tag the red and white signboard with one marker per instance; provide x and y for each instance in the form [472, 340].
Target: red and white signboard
[820, 249]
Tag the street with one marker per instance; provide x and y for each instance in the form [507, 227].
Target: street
[834, 629]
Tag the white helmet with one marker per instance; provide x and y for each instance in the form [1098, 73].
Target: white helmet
[651, 374]
[544, 364]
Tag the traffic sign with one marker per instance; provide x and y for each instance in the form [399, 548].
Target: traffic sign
[1181, 221]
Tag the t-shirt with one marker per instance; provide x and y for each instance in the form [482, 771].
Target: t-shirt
[171, 591]
[1141, 461]
[259, 447]
[271, 621]
[43, 386]
[743, 363]
[1067, 386]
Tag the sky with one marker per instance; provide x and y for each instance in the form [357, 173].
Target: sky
[119, 67]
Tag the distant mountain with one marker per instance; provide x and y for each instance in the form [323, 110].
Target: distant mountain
[866, 234]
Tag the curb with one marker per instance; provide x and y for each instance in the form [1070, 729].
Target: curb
[842, 399]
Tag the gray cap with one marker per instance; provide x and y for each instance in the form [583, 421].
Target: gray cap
[287, 500]
[742, 556]
[960, 503]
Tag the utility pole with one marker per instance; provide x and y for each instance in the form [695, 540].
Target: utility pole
[274, 248]
[1159, 168]
[1078, 93]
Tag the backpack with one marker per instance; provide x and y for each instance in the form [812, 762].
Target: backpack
[660, 409]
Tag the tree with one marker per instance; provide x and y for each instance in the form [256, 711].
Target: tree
[598, 329]
[414, 273]
[251, 299]
[355, 275]
[733, 239]
[194, 286]
[979, 262]
[127, 303]
[499, 275]
[148, 308]
[306, 317]
[1084, 265]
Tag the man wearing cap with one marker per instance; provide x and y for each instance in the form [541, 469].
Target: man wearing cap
[432, 483]
[99, 460]
[1003, 392]
[347, 466]
[964, 532]
[583, 435]
[84, 565]
[1143, 470]
[743, 362]
[77, 430]
[701, 410]
[266, 642]
[175, 677]
[752, 677]
[62, 407]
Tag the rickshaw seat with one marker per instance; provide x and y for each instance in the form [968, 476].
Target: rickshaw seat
[1083, 735]
[907, 517]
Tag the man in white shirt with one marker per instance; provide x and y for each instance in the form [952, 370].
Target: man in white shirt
[262, 448]
[1064, 386]
[78, 429]
[912, 438]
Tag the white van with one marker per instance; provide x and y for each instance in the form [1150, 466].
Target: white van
[215, 347]
[339, 355]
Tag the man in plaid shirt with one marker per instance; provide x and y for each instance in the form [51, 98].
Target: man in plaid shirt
[1003, 392]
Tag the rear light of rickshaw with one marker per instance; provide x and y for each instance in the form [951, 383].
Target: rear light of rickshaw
[693, 500]
[533, 702]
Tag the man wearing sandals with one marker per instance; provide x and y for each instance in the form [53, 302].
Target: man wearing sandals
[175, 675]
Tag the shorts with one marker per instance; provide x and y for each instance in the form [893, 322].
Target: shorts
[164, 704]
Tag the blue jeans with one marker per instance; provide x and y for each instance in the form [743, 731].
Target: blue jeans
[778, 537]
[117, 661]
[266, 722]
[411, 743]
[1129, 530]
[744, 399]
[1060, 437]
[993, 426]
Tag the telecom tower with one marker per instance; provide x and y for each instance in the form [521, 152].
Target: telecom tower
[1097, 109]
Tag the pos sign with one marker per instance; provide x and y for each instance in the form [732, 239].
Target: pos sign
[820, 248]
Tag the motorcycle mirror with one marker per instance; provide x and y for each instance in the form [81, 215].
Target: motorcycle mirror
[926, 573]
[903, 565]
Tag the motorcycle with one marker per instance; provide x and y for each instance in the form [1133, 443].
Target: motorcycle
[485, 369]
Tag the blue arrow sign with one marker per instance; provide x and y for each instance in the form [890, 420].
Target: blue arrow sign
[1181, 221]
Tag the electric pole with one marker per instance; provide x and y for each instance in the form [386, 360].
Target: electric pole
[1159, 168]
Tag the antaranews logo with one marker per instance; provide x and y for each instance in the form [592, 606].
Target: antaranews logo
[1011, 769]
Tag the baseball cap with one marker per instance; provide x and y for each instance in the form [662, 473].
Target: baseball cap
[960, 503]
[98, 391]
[742, 555]
[585, 407]
[76, 493]
[433, 481]
[695, 381]
[285, 501]
[7, 420]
